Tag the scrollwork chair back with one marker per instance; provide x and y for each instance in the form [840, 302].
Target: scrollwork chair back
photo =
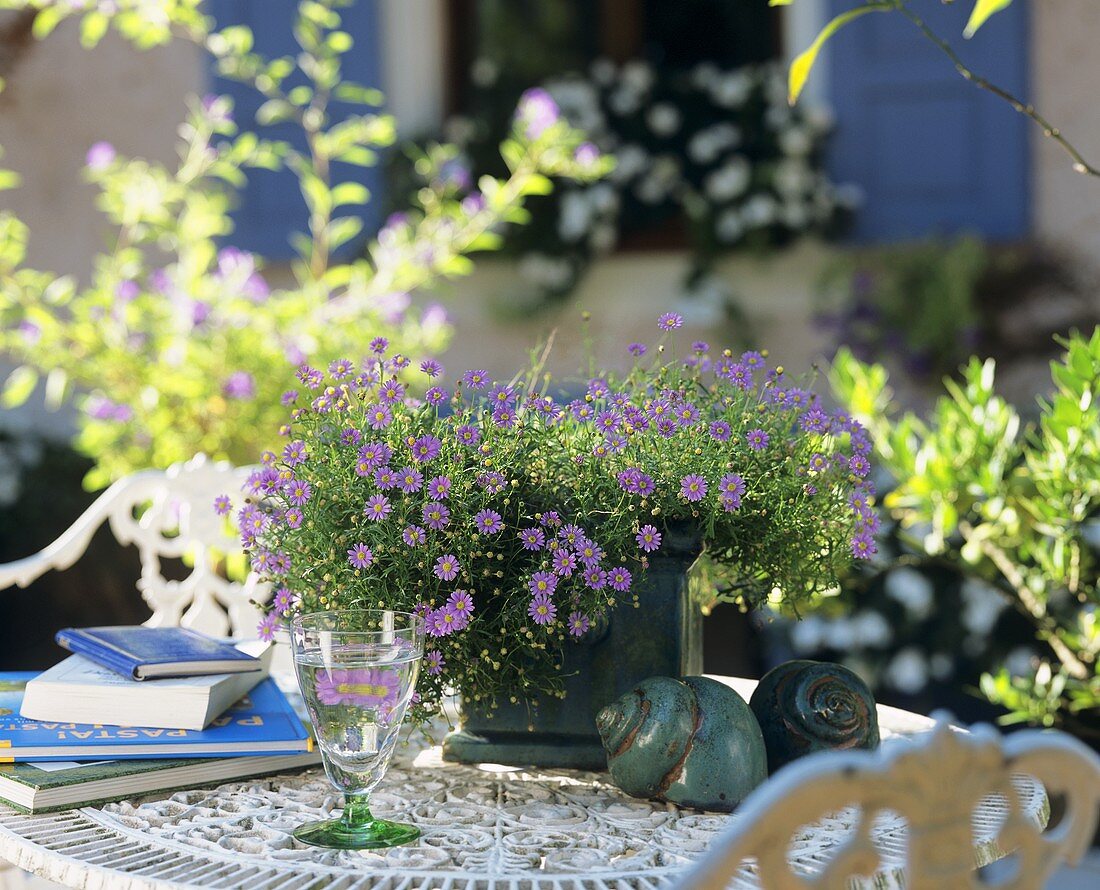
[937, 784]
[167, 514]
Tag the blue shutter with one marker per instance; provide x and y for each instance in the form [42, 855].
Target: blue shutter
[932, 152]
[271, 206]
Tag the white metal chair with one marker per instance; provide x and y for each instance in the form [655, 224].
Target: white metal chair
[939, 784]
[167, 514]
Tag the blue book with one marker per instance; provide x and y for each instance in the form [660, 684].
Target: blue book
[142, 653]
[262, 722]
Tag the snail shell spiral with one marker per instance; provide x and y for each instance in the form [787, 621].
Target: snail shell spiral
[691, 742]
[808, 706]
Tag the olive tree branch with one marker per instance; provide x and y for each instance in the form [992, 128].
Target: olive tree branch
[1080, 165]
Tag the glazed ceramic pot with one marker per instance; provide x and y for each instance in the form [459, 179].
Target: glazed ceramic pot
[663, 637]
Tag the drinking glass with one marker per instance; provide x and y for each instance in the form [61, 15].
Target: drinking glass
[357, 671]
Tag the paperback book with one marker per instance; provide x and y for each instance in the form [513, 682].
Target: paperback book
[261, 723]
[81, 691]
[59, 785]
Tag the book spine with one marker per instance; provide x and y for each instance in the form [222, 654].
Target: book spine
[89, 647]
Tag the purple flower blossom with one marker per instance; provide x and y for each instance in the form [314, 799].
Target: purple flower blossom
[619, 578]
[542, 609]
[288, 397]
[358, 687]
[435, 663]
[595, 578]
[379, 416]
[476, 379]
[222, 505]
[493, 482]
[413, 536]
[265, 630]
[502, 396]
[731, 487]
[740, 375]
[863, 546]
[385, 478]
[636, 349]
[564, 562]
[446, 567]
[578, 624]
[488, 522]
[693, 487]
[757, 439]
[648, 538]
[543, 583]
[537, 112]
[375, 454]
[589, 552]
[377, 508]
[282, 601]
[239, 385]
[859, 465]
[435, 396]
[425, 449]
[341, 368]
[752, 359]
[100, 156]
[462, 602]
[311, 377]
[293, 518]
[587, 155]
[669, 321]
[360, 556]
[350, 437]
[431, 367]
[298, 492]
[505, 418]
[409, 479]
[532, 538]
[127, 291]
[391, 392]
[295, 453]
[379, 345]
[814, 421]
[468, 434]
[436, 515]
[439, 488]
[700, 346]
[818, 462]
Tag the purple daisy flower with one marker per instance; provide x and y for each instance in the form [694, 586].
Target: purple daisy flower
[752, 359]
[265, 630]
[488, 522]
[425, 449]
[385, 478]
[462, 602]
[565, 562]
[589, 552]
[295, 453]
[298, 492]
[619, 578]
[379, 345]
[377, 508]
[435, 663]
[288, 397]
[595, 578]
[578, 624]
[359, 687]
[468, 434]
[543, 583]
[350, 437]
[542, 609]
[818, 462]
[360, 556]
[435, 396]
[757, 439]
[222, 505]
[431, 367]
[311, 377]
[413, 535]
[719, 431]
[409, 479]
[293, 518]
[476, 379]
[439, 488]
[282, 601]
[693, 487]
[436, 515]
[341, 368]
[446, 567]
[505, 418]
[391, 392]
[493, 482]
[669, 321]
[859, 465]
[375, 454]
[636, 349]
[863, 546]
[502, 396]
[379, 416]
[532, 538]
[648, 538]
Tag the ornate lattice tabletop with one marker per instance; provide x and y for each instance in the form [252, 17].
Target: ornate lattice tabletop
[483, 827]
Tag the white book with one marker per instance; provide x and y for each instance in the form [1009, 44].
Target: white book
[80, 691]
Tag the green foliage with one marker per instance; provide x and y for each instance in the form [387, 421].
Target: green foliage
[177, 347]
[373, 492]
[916, 302]
[1017, 503]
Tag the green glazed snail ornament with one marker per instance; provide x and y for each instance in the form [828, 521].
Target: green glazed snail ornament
[691, 742]
[808, 706]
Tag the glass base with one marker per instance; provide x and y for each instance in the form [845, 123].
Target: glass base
[373, 835]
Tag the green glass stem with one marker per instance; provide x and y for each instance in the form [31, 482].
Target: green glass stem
[357, 814]
[356, 829]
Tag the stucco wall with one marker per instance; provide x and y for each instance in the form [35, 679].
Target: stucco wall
[1065, 68]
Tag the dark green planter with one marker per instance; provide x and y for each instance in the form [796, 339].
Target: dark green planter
[664, 637]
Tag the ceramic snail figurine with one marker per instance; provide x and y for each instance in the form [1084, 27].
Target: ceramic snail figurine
[692, 742]
[807, 706]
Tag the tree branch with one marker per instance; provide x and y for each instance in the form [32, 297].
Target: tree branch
[1080, 165]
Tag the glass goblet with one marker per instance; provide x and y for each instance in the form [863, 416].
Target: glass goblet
[357, 672]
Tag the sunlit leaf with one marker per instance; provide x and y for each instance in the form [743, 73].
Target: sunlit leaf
[983, 9]
[19, 386]
[800, 67]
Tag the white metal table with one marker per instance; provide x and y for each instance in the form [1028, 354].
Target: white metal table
[483, 827]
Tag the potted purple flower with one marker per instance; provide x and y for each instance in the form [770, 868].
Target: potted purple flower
[558, 547]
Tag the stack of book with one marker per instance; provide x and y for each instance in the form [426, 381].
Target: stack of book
[136, 710]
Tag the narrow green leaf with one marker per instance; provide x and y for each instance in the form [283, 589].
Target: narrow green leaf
[780, 2]
[9, 179]
[800, 67]
[46, 20]
[982, 10]
[92, 29]
[19, 386]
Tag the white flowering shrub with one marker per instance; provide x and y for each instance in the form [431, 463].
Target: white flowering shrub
[714, 157]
